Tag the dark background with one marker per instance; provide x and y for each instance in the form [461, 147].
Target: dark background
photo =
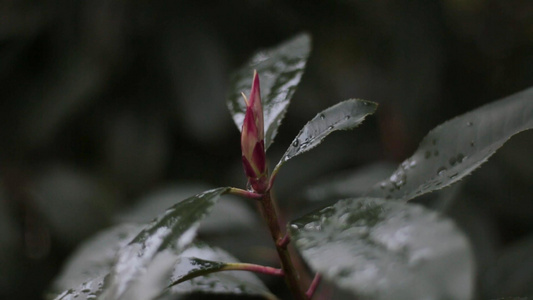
[102, 102]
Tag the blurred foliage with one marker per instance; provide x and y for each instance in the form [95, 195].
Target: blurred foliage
[105, 102]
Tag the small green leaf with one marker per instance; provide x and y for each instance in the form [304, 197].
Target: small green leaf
[382, 249]
[457, 147]
[341, 116]
[200, 259]
[174, 229]
[280, 70]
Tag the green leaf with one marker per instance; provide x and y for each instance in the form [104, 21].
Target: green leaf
[174, 229]
[455, 148]
[200, 259]
[382, 249]
[341, 116]
[95, 257]
[90, 289]
[232, 214]
[280, 70]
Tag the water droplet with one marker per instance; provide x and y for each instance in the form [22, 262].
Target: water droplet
[428, 154]
[383, 185]
[441, 171]
[469, 124]
[322, 117]
[460, 158]
[453, 175]
[412, 164]
[295, 143]
[399, 183]
[347, 117]
[294, 226]
[365, 103]
[331, 127]
[85, 291]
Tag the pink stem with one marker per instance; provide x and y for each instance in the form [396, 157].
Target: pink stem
[284, 241]
[314, 285]
[244, 193]
[253, 268]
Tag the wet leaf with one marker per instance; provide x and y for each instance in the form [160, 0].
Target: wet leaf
[342, 116]
[455, 148]
[280, 70]
[174, 229]
[382, 249]
[95, 257]
[90, 289]
[200, 259]
[232, 214]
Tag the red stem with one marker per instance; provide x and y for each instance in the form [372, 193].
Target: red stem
[253, 268]
[291, 275]
[244, 193]
[314, 285]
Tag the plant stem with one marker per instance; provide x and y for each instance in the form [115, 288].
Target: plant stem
[253, 268]
[291, 275]
[230, 267]
[244, 193]
[314, 285]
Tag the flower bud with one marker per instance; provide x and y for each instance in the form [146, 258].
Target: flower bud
[252, 140]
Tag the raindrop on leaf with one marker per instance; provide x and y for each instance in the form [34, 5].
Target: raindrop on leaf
[441, 171]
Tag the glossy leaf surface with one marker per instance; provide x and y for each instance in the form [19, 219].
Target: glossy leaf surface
[95, 257]
[342, 116]
[174, 229]
[380, 249]
[200, 259]
[280, 70]
[90, 289]
[455, 148]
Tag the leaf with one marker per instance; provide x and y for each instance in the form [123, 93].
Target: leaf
[95, 257]
[174, 229]
[200, 259]
[147, 208]
[341, 116]
[280, 70]
[455, 148]
[87, 290]
[382, 249]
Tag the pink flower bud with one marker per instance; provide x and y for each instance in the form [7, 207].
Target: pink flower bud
[252, 140]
